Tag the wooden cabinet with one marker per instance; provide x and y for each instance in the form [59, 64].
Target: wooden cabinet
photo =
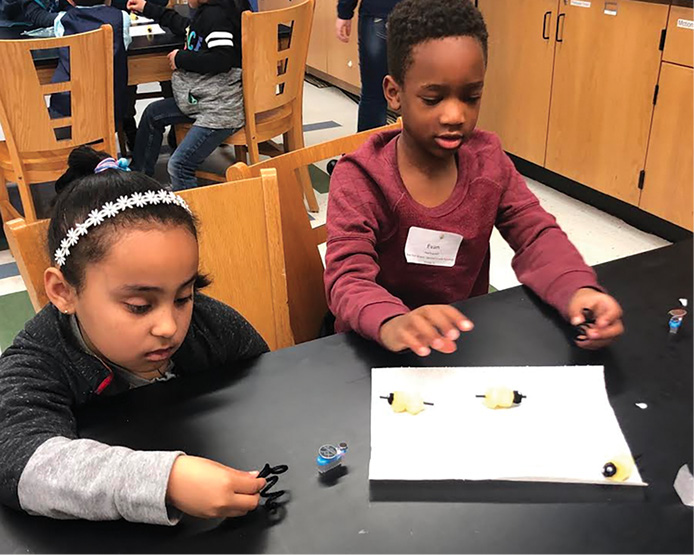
[668, 183]
[679, 47]
[322, 25]
[517, 89]
[343, 58]
[334, 60]
[606, 69]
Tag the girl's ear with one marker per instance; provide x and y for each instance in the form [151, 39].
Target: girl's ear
[59, 291]
[391, 90]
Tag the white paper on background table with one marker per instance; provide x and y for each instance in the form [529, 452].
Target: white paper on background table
[564, 430]
[139, 20]
[144, 30]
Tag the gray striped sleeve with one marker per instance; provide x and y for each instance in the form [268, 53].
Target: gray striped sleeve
[82, 478]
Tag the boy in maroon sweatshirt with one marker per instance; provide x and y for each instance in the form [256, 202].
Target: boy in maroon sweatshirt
[410, 213]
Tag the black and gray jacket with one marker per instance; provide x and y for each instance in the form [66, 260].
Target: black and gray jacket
[207, 82]
[44, 467]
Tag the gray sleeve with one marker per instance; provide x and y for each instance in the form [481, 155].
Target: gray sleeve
[82, 478]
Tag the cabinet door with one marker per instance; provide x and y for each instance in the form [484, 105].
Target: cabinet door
[680, 30]
[515, 102]
[605, 72]
[667, 189]
[320, 35]
[343, 59]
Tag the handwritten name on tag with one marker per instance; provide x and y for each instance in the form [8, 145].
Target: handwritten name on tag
[432, 248]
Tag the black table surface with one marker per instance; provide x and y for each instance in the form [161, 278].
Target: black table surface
[283, 406]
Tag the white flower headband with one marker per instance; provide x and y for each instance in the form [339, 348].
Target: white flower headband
[110, 209]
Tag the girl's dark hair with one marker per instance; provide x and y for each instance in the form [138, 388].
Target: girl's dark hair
[80, 191]
[413, 22]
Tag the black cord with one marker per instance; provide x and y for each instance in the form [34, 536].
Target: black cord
[270, 474]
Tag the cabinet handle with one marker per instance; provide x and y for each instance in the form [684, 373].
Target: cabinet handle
[545, 20]
[556, 35]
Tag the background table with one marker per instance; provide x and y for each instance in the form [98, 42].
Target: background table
[282, 407]
[147, 61]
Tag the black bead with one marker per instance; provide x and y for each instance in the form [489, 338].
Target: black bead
[609, 470]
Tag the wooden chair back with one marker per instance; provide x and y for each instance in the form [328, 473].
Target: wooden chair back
[240, 248]
[274, 65]
[307, 304]
[34, 150]
[28, 243]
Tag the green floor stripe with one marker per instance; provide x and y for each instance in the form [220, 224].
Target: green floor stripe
[319, 179]
[15, 311]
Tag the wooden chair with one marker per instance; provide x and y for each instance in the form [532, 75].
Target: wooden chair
[307, 304]
[31, 152]
[273, 78]
[240, 248]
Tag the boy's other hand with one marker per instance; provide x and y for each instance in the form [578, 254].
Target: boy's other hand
[428, 327]
[172, 58]
[207, 489]
[343, 29]
[136, 5]
[608, 317]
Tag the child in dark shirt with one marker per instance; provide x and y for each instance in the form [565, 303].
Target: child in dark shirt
[125, 311]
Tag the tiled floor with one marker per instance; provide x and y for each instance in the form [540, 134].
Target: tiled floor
[329, 113]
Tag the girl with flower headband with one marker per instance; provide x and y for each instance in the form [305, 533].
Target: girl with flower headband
[125, 311]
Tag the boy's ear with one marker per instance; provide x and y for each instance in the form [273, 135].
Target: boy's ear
[391, 90]
[59, 291]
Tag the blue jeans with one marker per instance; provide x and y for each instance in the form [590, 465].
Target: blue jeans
[373, 67]
[197, 145]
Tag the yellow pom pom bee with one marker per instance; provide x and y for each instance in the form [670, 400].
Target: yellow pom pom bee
[402, 401]
[618, 468]
[501, 397]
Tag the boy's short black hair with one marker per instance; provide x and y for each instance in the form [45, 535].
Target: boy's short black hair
[413, 22]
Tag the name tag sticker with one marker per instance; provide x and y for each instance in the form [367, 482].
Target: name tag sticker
[685, 24]
[432, 248]
[581, 3]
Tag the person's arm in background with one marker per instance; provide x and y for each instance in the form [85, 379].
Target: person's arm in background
[36, 13]
[343, 23]
[164, 16]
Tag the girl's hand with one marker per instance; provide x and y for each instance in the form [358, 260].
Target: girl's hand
[136, 5]
[343, 28]
[608, 317]
[172, 58]
[207, 489]
[428, 327]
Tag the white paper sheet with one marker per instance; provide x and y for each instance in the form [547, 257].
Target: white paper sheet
[139, 20]
[144, 30]
[564, 431]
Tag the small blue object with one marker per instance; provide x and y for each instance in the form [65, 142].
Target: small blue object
[330, 456]
[123, 164]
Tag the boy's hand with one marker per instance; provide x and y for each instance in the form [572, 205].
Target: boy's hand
[207, 489]
[343, 28]
[136, 5]
[608, 317]
[428, 327]
[172, 58]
